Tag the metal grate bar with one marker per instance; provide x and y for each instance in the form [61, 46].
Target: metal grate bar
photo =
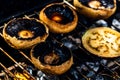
[7, 71]
[17, 63]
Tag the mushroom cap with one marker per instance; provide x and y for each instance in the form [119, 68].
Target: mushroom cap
[59, 17]
[96, 9]
[23, 33]
[51, 58]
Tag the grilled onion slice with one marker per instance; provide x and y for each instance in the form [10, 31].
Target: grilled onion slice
[51, 58]
[102, 41]
[23, 33]
[96, 9]
[59, 17]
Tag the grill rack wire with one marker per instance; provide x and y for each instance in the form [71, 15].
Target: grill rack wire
[86, 66]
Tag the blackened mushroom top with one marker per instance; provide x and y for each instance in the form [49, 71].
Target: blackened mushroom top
[59, 17]
[51, 54]
[25, 28]
[59, 13]
[98, 4]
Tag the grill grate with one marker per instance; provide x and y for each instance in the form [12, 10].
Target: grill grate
[86, 66]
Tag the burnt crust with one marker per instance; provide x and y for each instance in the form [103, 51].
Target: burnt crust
[64, 11]
[105, 3]
[23, 33]
[100, 10]
[17, 25]
[68, 16]
[61, 63]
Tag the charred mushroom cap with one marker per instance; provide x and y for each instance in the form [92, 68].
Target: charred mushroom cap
[51, 58]
[96, 9]
[59, 17]
[98, 3]
[23, 33]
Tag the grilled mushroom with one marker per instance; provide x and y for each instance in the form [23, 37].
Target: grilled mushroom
[59, 17]
[102, 41]
[23, 33]
[96, 9]
[51, 58]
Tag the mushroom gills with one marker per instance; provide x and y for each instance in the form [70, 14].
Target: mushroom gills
[54, 55]
[59, 13]
[96, 4]
[25, 29]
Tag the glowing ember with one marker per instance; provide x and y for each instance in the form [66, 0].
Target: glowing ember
[57, 17]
